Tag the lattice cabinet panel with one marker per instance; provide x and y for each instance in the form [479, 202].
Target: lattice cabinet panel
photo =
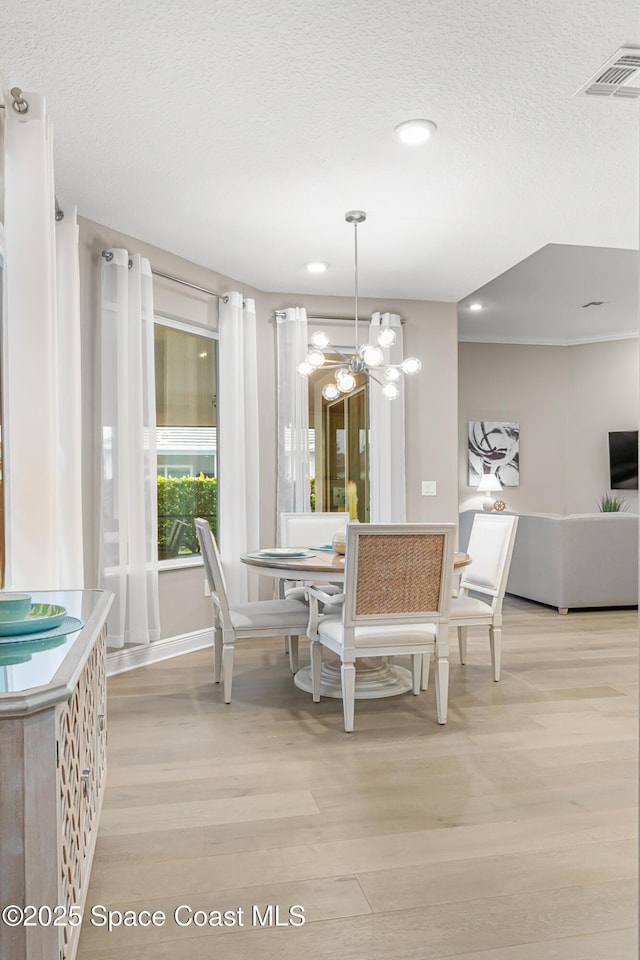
[81, 777]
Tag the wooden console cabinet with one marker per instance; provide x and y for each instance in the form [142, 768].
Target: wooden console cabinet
[53, 749]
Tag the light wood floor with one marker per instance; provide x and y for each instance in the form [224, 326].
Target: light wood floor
[508, 834]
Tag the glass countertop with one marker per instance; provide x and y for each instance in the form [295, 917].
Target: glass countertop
[27, 664]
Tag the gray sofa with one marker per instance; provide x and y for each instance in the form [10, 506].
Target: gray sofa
[577, 561]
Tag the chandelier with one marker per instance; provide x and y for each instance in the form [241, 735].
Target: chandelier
[368, 359]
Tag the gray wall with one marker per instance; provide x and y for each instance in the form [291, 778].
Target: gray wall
[566, 400]
[430, 332]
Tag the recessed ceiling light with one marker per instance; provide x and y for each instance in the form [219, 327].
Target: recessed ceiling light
[475, 307]
[414, 131]
[316, 266]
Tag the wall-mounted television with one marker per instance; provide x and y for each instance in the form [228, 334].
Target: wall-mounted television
[623, 459]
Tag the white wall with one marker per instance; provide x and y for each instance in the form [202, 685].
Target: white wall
[566, 399]
[430, 332]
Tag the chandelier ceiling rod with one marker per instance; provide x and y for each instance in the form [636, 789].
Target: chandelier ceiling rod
[355, 217]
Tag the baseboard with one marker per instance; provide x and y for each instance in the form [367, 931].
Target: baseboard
[120, 661]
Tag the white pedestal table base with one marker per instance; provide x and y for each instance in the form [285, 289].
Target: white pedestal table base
[375, 678]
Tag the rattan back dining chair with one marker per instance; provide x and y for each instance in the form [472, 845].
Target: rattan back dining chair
[397, 594]
[260, 618]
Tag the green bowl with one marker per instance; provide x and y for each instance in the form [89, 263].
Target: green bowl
[14, 606]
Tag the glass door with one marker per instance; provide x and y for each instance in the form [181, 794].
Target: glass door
[357, 432]
[346, 452]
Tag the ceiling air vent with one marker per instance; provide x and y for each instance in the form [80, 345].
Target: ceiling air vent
[618, 77]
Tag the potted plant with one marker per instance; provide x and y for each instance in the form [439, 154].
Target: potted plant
[610, 504]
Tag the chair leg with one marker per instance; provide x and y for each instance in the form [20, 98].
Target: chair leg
[293, 654]
[278, 594]
[462, 643]
[416, 672]
[442, 688]
[426, 664]
[227, 670]
[217, 654]
[495, 642]
[348, 674]
[316, 669]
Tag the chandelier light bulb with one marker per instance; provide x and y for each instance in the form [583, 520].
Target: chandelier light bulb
[330, 391]
[319, 339]
[372, 355]
[390, 391]
[315, 358]
[414, 131]
[386, 337]
[411, 365]
[305, 368]
[346, 383]
[392, 374]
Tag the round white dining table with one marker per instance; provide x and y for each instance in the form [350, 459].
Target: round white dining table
[375, 676]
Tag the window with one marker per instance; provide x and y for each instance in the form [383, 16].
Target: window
[186, 437]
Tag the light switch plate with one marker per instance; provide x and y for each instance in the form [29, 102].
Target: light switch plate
[428, 488]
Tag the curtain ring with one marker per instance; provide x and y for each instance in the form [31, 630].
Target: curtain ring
[20, 105]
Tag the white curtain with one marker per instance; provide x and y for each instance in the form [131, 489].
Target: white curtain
[239, 479]
[41, 364]
[293, 413]
[128, 563]
[387, 484]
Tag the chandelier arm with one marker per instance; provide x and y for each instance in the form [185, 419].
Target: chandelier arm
[344, 357]
[373, 377]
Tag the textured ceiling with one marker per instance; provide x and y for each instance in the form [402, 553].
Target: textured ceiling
[237, 133]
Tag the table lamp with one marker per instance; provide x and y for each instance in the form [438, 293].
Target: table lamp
[489, 484]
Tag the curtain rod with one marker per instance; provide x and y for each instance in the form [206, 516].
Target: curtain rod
[187, 283]
[282, 313]
[166, 276]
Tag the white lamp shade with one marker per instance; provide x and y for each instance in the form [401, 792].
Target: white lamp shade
[489, 483]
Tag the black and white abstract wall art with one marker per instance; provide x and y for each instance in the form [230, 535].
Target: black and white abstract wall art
[494, 448]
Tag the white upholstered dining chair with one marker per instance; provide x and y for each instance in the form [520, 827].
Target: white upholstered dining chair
[261, 618]
[490, 548]
[312, 529]
[397, 594]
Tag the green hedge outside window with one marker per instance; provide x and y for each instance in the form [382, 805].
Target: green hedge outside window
[180, 500]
